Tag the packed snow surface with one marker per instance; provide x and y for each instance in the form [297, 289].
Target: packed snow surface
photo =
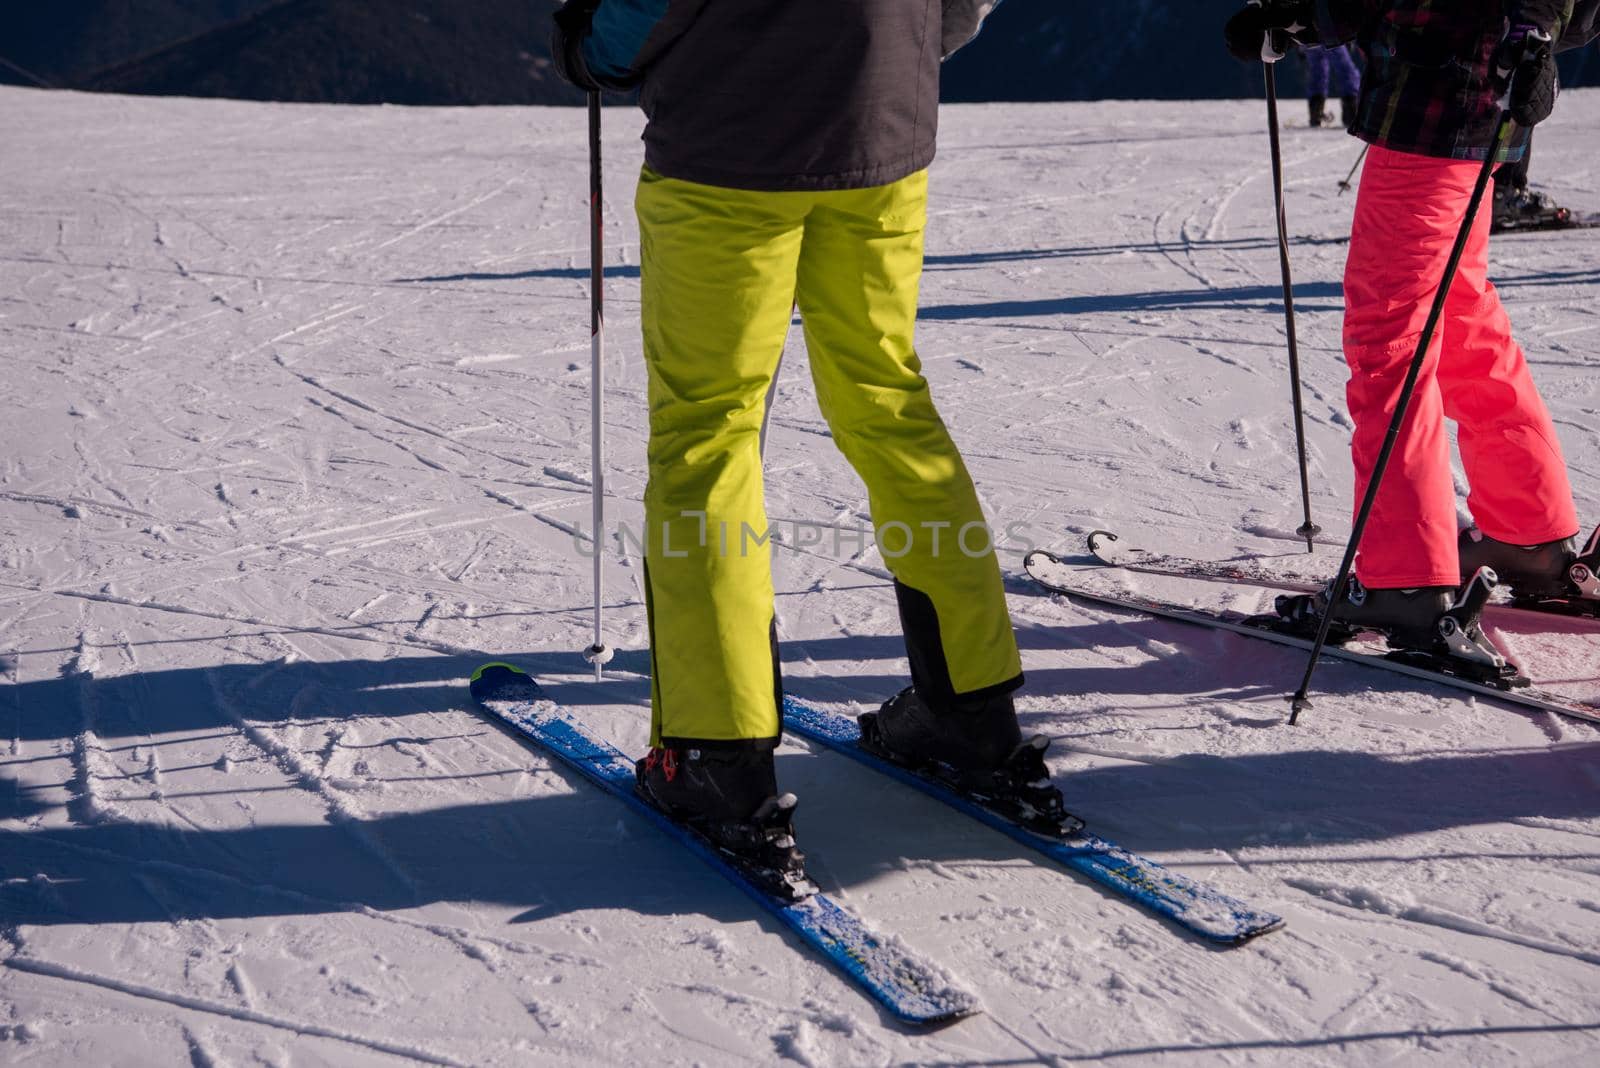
[295, 433]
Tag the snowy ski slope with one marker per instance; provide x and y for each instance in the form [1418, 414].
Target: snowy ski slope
[294, 433]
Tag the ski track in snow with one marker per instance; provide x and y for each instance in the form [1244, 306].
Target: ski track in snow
[296, 433]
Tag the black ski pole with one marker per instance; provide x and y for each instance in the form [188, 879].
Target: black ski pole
[599, 653]
[1301, 700]
[1344, 186]
[1308, 529]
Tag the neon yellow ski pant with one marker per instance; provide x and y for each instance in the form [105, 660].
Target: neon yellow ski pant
[722, 270]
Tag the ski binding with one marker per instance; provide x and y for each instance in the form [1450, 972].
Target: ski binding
[1058, 576]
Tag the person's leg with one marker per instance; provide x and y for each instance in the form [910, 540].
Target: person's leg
[858, 282]
[1520, 490]
[1345, 78]
[1347, 82]
[1316, 58]
[1406, 217]
[717, 286]
[1316, 82]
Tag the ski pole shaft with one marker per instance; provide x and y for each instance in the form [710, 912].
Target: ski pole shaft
[597, 654]
[1308, 529]
[1344, 185]
[1300, 700]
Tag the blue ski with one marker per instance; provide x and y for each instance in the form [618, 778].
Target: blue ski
[1199, 908]
[913, 990]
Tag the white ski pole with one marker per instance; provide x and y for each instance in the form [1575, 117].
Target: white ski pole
[599, 654]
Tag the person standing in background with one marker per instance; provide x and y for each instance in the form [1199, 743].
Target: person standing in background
[1331, 68]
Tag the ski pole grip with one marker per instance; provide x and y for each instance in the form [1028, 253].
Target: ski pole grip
[1274, 46]
[1274, 43]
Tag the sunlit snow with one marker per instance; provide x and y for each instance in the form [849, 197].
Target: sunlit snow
[295, 433]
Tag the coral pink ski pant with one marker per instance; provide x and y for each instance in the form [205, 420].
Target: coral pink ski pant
[1407, 215]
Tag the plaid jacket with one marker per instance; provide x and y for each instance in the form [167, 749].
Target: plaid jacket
[1429, 87]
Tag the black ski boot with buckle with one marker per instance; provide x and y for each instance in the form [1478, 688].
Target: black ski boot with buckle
[1516, 207]
[975, 748]
[1553, 576]
[730, 798]
[1432, 626]
[1407, 618]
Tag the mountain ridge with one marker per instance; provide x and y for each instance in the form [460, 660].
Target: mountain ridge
[439, 52]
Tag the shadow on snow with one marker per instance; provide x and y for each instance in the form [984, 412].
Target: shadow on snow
[548, 855]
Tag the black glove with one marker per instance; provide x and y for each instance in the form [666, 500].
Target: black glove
[572, 20]
[1527, 58]
[1286, 20]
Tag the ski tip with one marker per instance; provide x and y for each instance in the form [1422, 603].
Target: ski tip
[1044, 555]
[932, 1019]
[1256, 925]
[497, 677]
[1095, 537]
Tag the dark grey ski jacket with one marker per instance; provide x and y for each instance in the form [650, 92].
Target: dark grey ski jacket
[782, 94]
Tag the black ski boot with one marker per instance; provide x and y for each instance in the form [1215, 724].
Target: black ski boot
[731, 799]
[1347, 112]
[1319, 110]
[1520, 208]
[1529, 571]
[1407, 618]
[1546, 575]
[1436, 626]
[977, 749]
